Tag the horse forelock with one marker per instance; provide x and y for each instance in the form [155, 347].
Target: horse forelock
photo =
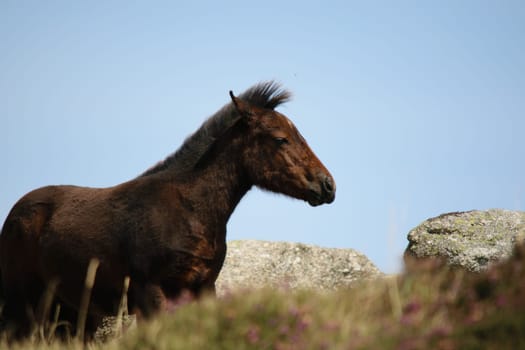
[266, 95]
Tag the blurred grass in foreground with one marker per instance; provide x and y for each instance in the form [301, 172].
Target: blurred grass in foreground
[431, 305]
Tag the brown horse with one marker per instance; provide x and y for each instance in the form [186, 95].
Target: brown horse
[166, 229]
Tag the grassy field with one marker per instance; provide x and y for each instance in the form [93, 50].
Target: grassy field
[430, 306]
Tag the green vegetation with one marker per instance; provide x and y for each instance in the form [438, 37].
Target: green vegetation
[430, 306]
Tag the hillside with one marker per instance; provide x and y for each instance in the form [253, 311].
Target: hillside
[430, 306]
[279, 295]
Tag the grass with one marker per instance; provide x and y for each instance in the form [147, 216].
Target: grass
[429, 306]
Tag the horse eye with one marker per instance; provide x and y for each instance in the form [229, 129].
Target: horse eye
[281, 140]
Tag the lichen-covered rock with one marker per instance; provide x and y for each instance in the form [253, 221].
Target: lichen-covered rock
[113, 327]
[469, 239]
[254, 264]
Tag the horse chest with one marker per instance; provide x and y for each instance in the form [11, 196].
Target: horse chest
[186, 271]
[184, 257]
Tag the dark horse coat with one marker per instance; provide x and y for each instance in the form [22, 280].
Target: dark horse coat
[166, 229]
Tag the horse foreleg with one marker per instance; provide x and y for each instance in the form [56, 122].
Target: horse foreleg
[147, 300]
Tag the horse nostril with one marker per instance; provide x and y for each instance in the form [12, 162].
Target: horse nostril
[322, 191]
[328, 185]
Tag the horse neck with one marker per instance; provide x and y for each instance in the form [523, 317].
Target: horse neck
[217, 186]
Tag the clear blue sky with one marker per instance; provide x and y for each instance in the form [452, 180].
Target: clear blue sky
[416, 107]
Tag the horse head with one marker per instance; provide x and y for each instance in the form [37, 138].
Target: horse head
[277, 157]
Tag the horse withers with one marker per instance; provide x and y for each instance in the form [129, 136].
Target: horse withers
[166, 229]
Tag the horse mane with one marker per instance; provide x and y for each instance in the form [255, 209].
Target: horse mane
[267, 95]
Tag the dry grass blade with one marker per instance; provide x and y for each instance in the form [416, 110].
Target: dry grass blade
[123, 307]
[395, 299]
[84, 303]
[45, 308]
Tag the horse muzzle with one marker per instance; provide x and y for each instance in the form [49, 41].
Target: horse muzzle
[322, 191]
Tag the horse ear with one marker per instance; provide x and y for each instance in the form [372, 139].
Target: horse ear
[241, 106]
